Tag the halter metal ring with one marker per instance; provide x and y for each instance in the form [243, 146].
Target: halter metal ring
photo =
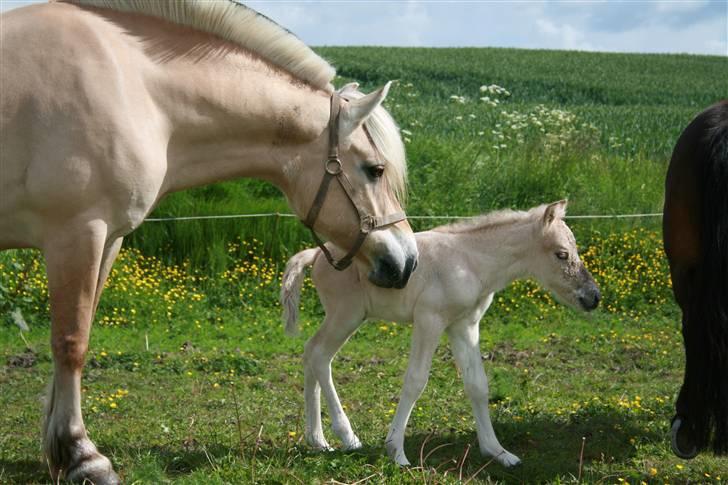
[368, 224]
[333, 166]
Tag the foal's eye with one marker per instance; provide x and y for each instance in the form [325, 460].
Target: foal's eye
[375, 171]
[562, 255]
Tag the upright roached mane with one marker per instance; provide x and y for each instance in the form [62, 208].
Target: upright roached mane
[240, 25]
[257, 33]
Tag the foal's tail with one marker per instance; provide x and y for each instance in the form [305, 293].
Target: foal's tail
[712, 308]
[291, 287]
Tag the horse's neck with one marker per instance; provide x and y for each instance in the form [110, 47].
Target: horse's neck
[499, 255]
[232, 115]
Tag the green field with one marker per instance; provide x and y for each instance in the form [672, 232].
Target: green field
[190, 378]
[609, 123]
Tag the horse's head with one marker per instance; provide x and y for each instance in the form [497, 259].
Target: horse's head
[352, 196]
[556, 261]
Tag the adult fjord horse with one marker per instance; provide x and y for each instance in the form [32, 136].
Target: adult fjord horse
[109, 105]
[695, 228]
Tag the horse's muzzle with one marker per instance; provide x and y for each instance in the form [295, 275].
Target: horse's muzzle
[387, 273]
[590, 300]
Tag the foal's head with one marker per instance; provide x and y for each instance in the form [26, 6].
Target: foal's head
[555, 261]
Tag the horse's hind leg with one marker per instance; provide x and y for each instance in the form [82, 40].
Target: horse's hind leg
[74, 259]
[320, 350]
[465, 343]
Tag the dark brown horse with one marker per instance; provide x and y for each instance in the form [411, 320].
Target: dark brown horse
[695, 231]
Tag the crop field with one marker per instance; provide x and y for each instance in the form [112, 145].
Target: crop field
[190, 378]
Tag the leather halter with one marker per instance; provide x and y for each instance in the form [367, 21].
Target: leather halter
[334, 170]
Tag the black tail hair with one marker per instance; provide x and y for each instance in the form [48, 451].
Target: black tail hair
[709, 310]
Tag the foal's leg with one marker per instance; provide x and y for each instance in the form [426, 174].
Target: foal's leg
[320, 350]
[425, 337]
[465, 343]
[74, 258]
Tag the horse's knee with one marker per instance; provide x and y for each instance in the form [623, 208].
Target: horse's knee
[69, 351]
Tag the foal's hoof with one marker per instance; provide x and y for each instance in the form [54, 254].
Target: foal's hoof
[397, 454]
[508, 459]
[352, 444]
[681, 439]
[319, 444]
[95, 469]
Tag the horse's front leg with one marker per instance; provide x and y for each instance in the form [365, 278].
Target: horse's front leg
[426, 333]
[686, 440]
[465, 343]
[77, 261]
[338, 326]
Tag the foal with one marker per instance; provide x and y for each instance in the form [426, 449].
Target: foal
[460, 267]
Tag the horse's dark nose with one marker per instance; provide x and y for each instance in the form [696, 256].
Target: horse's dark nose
[388, 273]
[590, 300]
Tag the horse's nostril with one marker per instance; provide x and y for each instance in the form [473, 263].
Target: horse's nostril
[590, 302]
[388, 267]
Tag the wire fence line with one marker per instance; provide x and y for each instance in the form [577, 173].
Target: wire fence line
[284, 214]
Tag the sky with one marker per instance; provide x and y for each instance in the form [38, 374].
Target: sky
[675, 26]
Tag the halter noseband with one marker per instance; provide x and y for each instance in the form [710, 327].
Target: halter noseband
[333, 169]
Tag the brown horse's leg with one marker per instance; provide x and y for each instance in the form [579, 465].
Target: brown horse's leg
[74, 259]
[681, 233]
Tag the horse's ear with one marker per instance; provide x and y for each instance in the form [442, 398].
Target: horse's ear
[555, 210]
[358, 110]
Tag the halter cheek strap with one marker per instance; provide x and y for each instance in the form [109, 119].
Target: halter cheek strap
[334, 170]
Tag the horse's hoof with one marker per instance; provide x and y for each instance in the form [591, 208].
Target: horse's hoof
[681, 441]
[96, 469]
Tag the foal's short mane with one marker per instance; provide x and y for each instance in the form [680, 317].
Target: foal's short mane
[238, 24]
[492, 220]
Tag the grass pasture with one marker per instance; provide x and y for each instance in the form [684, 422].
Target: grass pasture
[595, 127]
[190, 378]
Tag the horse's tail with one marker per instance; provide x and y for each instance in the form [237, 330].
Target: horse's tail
[712, 307]
[291, 287]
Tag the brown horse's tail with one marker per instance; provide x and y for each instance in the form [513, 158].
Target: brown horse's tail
[709, 319]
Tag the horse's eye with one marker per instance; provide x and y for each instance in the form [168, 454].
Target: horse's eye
[375, 171]
[562, 255]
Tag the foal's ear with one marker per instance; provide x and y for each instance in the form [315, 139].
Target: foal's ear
[358, 110]
[555, 210]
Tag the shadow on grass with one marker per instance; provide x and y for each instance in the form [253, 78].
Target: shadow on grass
[549, 450]
[23, 471]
